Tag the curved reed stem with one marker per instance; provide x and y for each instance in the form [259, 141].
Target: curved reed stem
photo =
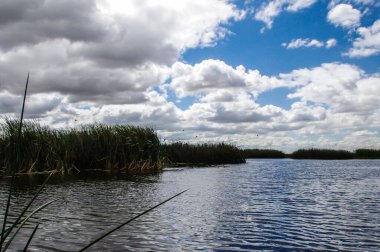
[9, 230]
[25, 220]
[130, 220]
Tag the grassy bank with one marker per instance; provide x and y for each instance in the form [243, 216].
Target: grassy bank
[118, 148]
[206, 154]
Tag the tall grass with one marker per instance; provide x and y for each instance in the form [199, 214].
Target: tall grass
[263, 153]
[118, 148]
[180, 153]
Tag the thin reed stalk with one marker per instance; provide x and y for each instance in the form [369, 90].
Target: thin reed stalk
[31, 237]
[25, 220]
[129, 221]
[15, 166]
[16, 222]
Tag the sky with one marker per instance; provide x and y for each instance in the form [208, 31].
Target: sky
[280, 74]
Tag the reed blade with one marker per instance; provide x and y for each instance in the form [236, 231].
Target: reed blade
[130, 220]
[14, 169]
[25, 220]
[31, 237]
[27, 207]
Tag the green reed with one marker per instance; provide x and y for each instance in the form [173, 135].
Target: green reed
[99, 147]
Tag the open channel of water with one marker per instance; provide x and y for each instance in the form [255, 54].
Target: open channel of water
[270, 205]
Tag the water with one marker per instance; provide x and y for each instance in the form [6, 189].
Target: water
[270, 205]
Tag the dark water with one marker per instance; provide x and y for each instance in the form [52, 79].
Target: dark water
[270, 205]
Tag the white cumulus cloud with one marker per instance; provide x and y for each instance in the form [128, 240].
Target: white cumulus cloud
[368, 42]
[343, 88]
[211, 75]
[103, 51]
[344, 15]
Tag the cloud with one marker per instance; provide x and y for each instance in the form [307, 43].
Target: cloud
[300, 42]
[120, 62]
[327, 101]
[271, 9]
[210, 76]
[301, 112]
[39, 105]
[359, 3]
[343, 88]
[331, 43]
[344, 15]
[39, 20]
[53, 70]
[368, 2]
[241, 109]
[112, 52]
[368, 43]
[296, 43]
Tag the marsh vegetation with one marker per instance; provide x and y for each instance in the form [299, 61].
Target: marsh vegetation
[95, 147]
[118, 148]
[127, 149]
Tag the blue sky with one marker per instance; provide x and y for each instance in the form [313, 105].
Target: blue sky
[281, 74]
[262, 50]
[247, 46]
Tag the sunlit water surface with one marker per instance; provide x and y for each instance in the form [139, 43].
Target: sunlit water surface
[270, 205]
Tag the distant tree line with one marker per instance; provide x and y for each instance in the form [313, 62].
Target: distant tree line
[263, 153]
[313, 154]
[180, 153]
[322, 154]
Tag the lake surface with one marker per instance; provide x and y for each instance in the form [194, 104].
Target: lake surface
[270, 205]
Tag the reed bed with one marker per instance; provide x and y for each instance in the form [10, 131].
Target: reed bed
[183, 154]
[119, 148]
[263, 153]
